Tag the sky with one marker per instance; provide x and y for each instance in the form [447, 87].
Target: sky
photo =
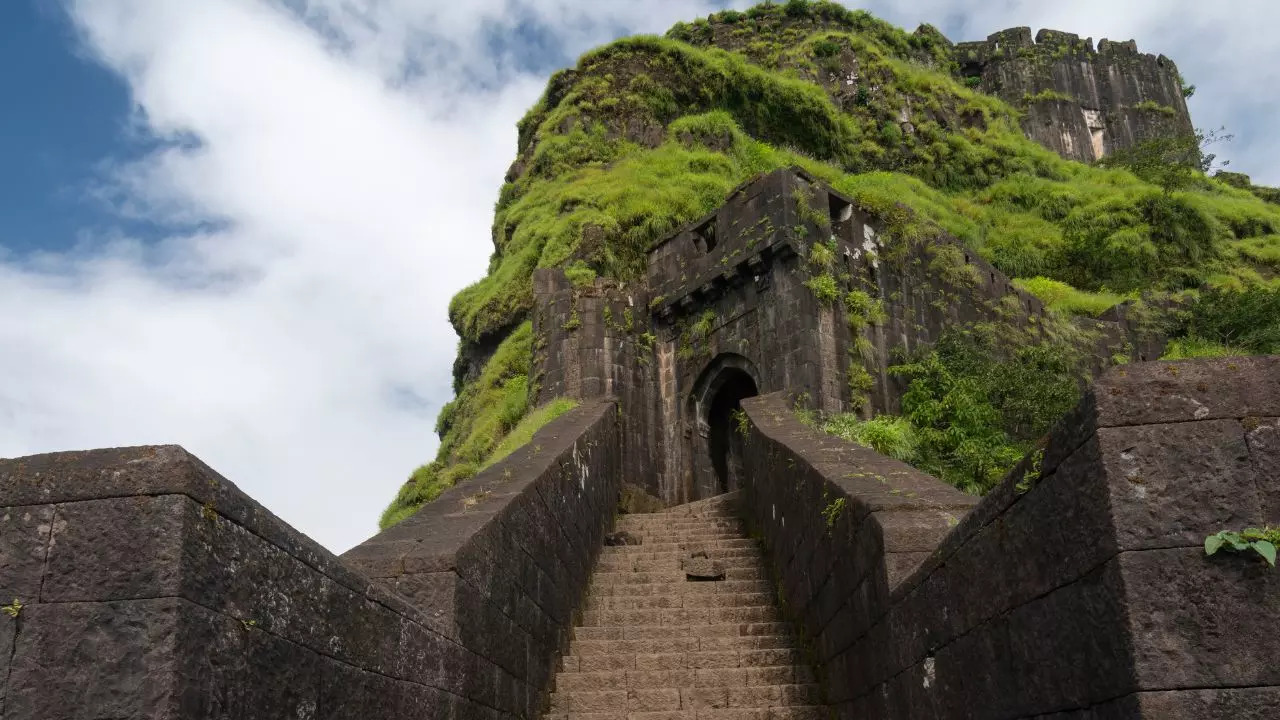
[235, 225]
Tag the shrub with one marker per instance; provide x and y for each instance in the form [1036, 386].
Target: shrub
[826, 48]
[824, 288]
[976, 412]
[1245, 322]
[886, 434]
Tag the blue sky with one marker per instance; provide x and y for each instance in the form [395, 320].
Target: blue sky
[63, 120]
[236, 224]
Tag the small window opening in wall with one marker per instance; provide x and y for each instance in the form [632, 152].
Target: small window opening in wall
[839, 210]
[966, 259]
[993, 279]
[704, 236]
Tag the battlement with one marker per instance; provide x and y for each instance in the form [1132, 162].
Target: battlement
[1079, 102]
[1054, 44]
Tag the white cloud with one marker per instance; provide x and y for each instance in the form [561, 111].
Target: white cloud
[329, 170]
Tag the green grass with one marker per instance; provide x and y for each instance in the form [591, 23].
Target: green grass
[886, 434]
[1063, 298]
[523, 432]
[1264, 249]
[1190, 347]
[472, 424]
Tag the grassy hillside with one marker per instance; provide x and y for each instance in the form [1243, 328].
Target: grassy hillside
[648, 133]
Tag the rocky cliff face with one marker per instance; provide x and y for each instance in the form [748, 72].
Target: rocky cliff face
[1079, 102]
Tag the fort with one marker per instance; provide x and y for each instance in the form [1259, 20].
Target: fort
[680, 545]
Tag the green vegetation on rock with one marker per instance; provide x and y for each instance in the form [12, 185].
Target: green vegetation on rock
[1061, 297]
[886, 434]
[648, 133]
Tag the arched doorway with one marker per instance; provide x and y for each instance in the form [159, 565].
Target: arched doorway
[716, 399]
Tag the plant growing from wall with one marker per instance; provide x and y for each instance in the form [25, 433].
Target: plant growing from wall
[886, 434]
[1261, 542]
[861, 383]
[580, 274]
[832, 511]
[821, 256]
[824, 288]
[862, 309]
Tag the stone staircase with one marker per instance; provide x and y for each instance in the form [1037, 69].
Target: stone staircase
[653, 644]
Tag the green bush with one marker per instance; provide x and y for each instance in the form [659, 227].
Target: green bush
[1233, 322]
[824, 288]
[580, 274]
[886, 434]
[978, 407]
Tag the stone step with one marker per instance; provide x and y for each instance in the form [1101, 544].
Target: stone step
[640, 563]
[674, 645]
[716, 551]
[706, 518]
[641, 617]
[683, 677]
[686, 698]
[668, 524]
[680, 587]
[671, 576]
[640, 632]
[651, 547]
[703, 600]
[732, 658]
[774, 713]
[657, 534]
[650, 644]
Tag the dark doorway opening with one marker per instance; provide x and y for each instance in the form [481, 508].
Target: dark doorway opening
[723, 437]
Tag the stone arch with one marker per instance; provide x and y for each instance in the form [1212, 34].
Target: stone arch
[716, 395]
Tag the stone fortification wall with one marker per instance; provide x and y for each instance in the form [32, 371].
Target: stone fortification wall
[1079, 102]
[149, 586]
[1078, 589]
[731, 293]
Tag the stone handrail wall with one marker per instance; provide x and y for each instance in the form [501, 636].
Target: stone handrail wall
[146, 585]
[1078, 590]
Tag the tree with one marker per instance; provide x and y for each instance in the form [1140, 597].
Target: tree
[1172, 162]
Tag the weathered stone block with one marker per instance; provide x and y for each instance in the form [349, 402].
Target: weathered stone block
[1172, 484]
[119, 549]
[97, 660]
[24, 543]
[1263, 436]
[1195, 620]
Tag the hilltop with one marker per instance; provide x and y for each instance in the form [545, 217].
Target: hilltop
[649, 133]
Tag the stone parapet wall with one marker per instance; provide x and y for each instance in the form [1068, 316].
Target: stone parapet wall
[1078, 590]
[145, 585]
